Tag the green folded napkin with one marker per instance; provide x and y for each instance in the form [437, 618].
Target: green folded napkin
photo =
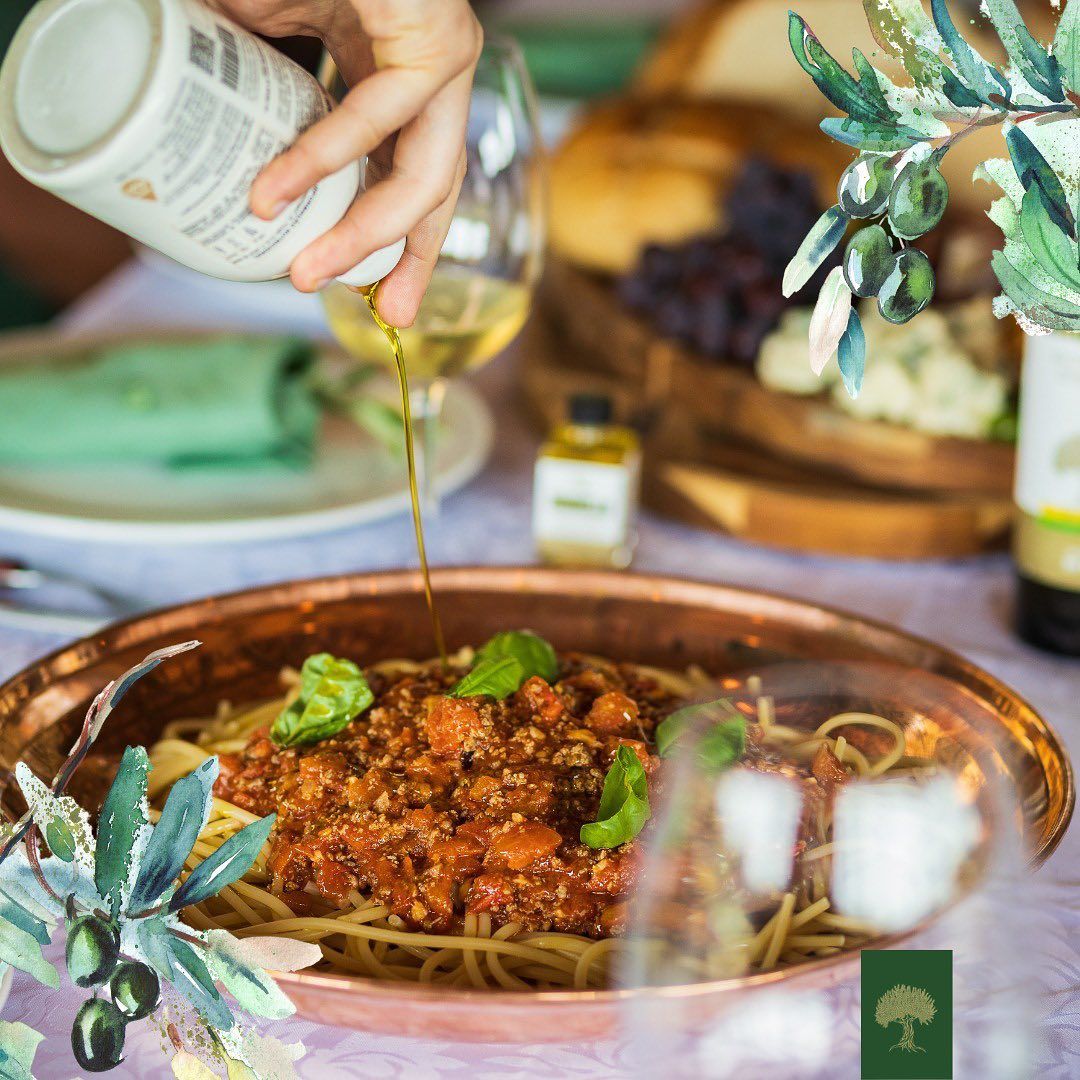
[206, 402]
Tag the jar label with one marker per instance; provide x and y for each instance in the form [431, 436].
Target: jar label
[583, 502]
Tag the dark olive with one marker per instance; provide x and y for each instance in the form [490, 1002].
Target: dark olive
[93, 946]
[918, 199]
[97, 1036]
[864, 187]
[908, 288]
[868, 260]
[135, 989]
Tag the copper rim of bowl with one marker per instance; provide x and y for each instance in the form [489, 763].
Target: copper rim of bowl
[602, 584]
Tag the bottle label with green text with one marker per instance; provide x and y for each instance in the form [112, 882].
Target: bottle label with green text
[1048, 461]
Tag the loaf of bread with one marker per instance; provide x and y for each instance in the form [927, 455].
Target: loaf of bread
[643, 171]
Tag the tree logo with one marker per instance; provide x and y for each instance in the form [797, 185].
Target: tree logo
[904, 1005]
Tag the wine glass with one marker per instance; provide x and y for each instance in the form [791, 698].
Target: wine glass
[482, 286]
[869, 811]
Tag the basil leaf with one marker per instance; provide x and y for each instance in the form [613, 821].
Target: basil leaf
[491, 678]
[624, 803]
[722, 744]
[333, 693]
[534, 654]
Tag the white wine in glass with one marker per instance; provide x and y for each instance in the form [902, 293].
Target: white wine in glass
[482, 286]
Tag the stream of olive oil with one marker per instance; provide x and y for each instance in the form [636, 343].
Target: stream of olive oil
[394, 338]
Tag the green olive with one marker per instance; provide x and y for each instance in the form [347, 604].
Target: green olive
[97, 1036]
[93, 946]
[864, 187]
[868, 259]
[918, 199]
[908, 288]
[135, 989]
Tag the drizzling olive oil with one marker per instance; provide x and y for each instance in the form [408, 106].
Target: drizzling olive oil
[394, 338]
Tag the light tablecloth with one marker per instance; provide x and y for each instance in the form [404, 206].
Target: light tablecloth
[963, 604]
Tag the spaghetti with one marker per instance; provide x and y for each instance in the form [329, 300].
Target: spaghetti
[360, 933]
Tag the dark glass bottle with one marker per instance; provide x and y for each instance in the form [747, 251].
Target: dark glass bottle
[1047, 538]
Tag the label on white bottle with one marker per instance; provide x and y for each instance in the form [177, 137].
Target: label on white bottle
[1047, 491]
[583, 502]
[195, 108]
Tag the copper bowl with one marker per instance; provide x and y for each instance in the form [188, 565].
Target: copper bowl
[249, 636]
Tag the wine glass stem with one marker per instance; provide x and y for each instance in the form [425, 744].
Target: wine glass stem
[427, 403]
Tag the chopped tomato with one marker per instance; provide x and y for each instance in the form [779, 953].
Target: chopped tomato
[451, 725]
[541, 699]
[613, 714]
[522, 845]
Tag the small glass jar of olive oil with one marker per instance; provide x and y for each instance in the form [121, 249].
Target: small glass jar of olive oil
[586, 488]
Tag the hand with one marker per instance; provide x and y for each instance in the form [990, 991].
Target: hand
[410, 64]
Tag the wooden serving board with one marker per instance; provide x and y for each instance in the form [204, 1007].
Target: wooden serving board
[730, 402]
[733, 486]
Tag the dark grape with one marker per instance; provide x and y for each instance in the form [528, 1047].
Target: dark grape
[93, 946]
[864, 187]
[868, 260]
[97, 1036]
[918, 199]
[720, 294]
[908, 288]
[135, 989]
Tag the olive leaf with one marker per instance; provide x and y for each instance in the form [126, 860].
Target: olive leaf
[255, 991]
[870, 137]
[182, 819]
[1051, 248]
[1043, 308]
[123, 829]
[829, 320]
[818, 244]
[977, 75]
[624, 803]
[862, 101]
[229, 863]
[16, 913]
[22, 950]
[1033, 169]
[1067, 45]
[333, 693]
[497, 678]
[191, 979]
[903, 29]
[1041, 70]
[18, 1045]
[62, 822]
[535, 655]
[851, 354]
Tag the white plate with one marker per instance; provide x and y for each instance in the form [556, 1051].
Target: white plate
[353, 480]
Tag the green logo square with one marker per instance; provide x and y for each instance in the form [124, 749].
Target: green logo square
[907, 1000]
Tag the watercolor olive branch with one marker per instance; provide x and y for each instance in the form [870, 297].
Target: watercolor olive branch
[895, 190]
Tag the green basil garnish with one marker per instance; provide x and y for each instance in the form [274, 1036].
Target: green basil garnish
[624, 804]
[333, 693]
[505, 662]
[530, 650]
[491, 678]
[721, 745]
